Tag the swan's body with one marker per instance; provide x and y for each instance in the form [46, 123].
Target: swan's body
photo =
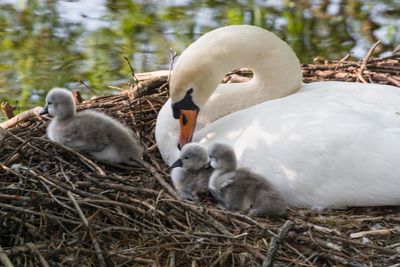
[89, 131]
[330, 144]
[191, 172]
[240, 188]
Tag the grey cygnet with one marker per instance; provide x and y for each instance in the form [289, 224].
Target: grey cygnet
[239, 188]
[90, 131]
[194, 172]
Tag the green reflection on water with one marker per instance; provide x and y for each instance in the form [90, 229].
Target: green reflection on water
[41, 49]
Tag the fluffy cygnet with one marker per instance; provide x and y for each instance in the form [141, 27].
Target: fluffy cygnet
[239, 188]
[89, 131]
[194, 172]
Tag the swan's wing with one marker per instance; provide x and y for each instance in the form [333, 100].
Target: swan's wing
[328, 145]
[88, 133]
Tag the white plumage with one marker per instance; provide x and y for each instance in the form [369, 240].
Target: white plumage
[328, 144]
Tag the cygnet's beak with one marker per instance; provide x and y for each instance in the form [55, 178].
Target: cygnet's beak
[187, 124]
[44, 111]
[177, 163]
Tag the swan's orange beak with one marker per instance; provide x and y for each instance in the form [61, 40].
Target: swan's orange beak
[187, 123]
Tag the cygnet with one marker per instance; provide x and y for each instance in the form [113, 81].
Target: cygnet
[89, 131]
[239, 188]
[191, 178]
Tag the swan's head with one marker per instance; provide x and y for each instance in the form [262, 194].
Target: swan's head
[222, 157]
[192, 157]
[202, 66]
[191, 84]
[60, 103]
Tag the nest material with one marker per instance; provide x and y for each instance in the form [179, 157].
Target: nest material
[61, 208]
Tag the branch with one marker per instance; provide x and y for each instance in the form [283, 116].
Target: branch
[275, 243]
[92, 235]
[24, 116]
[365, 61]
[7, 110]
[4, 259]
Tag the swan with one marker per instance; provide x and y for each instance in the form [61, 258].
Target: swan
[89, 131]
[240, 188]
[191, 172]
[323, 144]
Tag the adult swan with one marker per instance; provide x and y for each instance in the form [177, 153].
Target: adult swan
[324, 144]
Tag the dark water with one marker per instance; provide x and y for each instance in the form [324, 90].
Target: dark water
[45, 43]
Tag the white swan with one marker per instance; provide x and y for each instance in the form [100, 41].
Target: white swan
[325, 144]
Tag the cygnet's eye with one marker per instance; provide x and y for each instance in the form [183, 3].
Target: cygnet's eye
[186, 158]
[48, 103]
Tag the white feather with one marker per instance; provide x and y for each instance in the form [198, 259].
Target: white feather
[330, 144]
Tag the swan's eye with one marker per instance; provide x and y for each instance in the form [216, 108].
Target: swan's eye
[48, 103]
[185, 103]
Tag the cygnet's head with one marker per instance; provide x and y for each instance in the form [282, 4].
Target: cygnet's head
[192, 157]
[222, 156]
[60, 103]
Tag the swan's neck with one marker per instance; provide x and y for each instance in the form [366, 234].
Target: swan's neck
[202, 66]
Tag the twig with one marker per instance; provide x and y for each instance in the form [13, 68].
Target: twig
[132, 71]
[24, 116]
[88, 87]
[353, 242]
[25, 248]
[275, 243]
[92, 235]
[77, 96]
[173, 55]
[50, 216]
[85, 160]
[4, 259]
[396, 50]
[161, 180]
[37, 253]
[365, 61]
[8, 110]
[379, 232]
[393, 80]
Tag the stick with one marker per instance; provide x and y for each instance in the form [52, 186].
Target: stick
[25, 248]
[4, 259]
[160, 179]
[93, 166]
[40, 214]
[24, 116]
[380, 232]
[353, 242]
[92, 235]
[365, 61]
[132, 71]
[36, 252]
[275, 243]
[88, 87]
[7, 110]
[173, 55]
[77, 96]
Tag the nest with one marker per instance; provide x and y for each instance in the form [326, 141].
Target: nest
[62, 208]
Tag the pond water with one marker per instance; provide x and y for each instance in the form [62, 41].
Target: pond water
[48, 43]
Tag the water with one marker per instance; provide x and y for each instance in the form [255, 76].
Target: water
[46, 43]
